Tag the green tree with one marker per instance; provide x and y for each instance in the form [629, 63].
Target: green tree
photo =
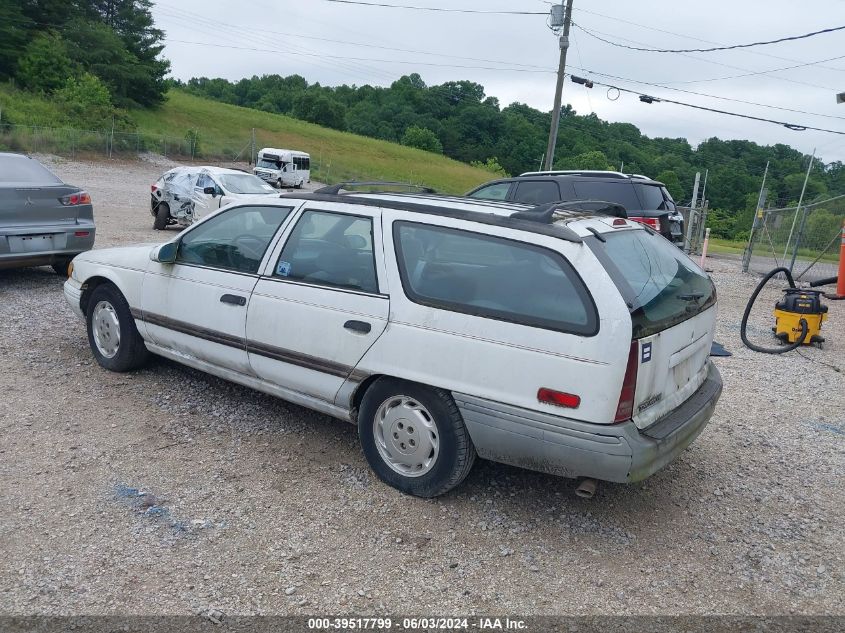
[45, 64]
[320, 109]
[14, 34]
[672, 182]
[492, 165]
[422, 138]
[86, 101]
[587, 160]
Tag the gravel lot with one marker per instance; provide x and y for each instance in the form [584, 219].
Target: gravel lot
[257, 506]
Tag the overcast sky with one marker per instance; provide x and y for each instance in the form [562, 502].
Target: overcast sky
[336, 43]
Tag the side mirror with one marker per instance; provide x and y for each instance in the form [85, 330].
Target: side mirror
[210, 191]
[166, 253]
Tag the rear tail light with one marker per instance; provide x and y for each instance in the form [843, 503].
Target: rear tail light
[558, 398]
[81, 233]
[153, 188]
[71, 200]
[625, 408]
[652, 222]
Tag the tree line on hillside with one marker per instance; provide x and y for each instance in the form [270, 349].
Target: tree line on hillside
[92, 56]
[457, 119]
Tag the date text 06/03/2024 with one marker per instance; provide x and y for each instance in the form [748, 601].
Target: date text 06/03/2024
[418, 623]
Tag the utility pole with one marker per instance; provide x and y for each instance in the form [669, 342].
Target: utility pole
[755, 224]
[561, 73]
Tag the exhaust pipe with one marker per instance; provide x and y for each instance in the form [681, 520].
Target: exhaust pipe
[586, 489]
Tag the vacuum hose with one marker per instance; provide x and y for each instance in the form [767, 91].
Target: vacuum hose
[770, 350]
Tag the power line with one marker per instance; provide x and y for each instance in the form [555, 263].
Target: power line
[650, 99]
[193, 16]
[365, 59]
[760, 72]
[704, 94]
[714, 48]
[439, 9]
[748, 72]
[693, 37]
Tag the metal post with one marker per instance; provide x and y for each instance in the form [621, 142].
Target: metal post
[111, 144]
[755, 223]
[252, 151]
[692, 212]
[798, 208]
[564, 46]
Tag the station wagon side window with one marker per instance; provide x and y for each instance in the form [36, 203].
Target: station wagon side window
[537, 192]
[496, 191]
[330, 249]
[233, 240]
[492, 277]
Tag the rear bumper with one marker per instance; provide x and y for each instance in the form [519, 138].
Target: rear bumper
[44, 245]
[569, 448]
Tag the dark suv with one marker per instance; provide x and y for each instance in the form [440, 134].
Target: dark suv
[645, 200]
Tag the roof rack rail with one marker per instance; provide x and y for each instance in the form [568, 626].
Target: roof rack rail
[594, 173]
[336, 189]
[544, 213]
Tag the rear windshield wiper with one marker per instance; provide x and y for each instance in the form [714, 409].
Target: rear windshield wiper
[692, 296]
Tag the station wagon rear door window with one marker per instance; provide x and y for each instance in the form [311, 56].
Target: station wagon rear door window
[537, 192]
[492, 277]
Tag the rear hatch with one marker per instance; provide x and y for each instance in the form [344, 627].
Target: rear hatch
[30, 195]
[673, 314]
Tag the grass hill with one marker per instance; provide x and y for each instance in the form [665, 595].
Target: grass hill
[223, 130]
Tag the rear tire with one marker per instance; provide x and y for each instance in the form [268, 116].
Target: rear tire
[112, 335]
[61, 268]
[162, 218]
[414, 437]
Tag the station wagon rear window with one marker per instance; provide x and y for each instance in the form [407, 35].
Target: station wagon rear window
[661, 285]
[492, 277]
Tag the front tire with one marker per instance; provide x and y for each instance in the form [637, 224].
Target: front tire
[112, 335]
[414, 437]
[162, 218]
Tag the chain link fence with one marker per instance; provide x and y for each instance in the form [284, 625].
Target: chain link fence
[804, 239]
[193, 147]
[113, 144]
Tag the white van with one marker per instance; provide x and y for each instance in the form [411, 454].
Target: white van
[283, 167]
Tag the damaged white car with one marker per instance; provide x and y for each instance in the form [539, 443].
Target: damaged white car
[184, 195]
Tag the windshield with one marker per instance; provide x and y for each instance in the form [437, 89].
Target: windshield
[268, 164]
[661, 285]
[244, 183]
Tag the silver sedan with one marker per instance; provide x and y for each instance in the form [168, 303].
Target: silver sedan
[43, 221]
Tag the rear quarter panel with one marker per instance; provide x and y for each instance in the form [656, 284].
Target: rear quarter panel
[502, 361]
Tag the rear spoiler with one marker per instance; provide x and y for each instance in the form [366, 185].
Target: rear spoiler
[544, 213]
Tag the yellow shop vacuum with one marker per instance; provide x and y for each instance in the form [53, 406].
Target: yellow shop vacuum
[800, 304]
[798, 315]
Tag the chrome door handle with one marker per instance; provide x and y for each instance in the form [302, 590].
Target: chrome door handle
[235, 300]
[358, 326]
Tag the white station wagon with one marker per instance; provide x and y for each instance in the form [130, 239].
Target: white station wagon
[573, 343]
